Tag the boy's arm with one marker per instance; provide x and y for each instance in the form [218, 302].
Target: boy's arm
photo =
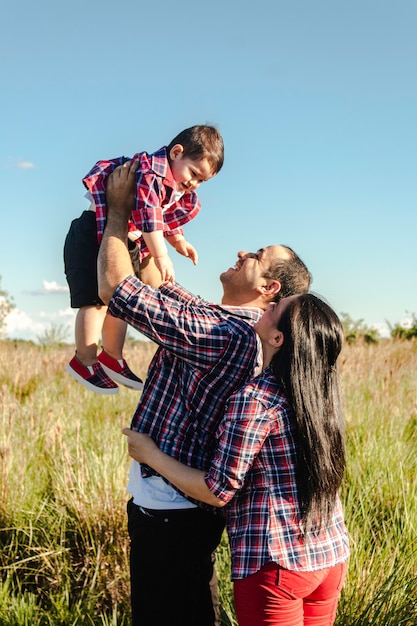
[183, 247]
[157, 247]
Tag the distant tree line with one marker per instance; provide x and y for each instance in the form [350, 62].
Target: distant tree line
[399, 332]
[357, 330]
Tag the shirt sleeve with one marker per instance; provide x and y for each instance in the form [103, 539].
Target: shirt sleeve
[241, 435]
[181, 212]
[179, 293]
[195, 332]
[150, 193]
[173, 231]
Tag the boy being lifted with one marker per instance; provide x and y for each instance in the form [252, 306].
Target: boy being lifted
[166, 183]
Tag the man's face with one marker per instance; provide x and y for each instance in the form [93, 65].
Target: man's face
[188, 173]
[250, 268]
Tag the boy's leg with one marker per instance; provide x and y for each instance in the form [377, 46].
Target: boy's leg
[111, 358]
[80, 260]
[113, 336]
[88, 326]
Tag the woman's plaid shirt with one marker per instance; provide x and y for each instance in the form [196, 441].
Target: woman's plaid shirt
[254, 471]
[206, 352]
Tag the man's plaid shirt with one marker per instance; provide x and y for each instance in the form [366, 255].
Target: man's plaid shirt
[155, 208]
[206, 352]
[254, 472]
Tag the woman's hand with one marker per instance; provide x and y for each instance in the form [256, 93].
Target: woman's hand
[141, 447]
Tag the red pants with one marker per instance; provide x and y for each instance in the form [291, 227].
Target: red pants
[276, 596]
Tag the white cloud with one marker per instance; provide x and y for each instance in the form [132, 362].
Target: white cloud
[21, 325]
[53, 287]
[50, 288]
[59, 316]
[12, 163]
[382, 329]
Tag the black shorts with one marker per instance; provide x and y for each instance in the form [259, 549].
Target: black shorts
[80, 260]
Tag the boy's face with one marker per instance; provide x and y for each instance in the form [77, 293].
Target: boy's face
[188, 173]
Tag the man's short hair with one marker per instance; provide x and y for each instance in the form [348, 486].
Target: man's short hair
[201, 142]
[292, 273]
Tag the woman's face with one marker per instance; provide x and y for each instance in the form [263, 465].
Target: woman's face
[268, 325]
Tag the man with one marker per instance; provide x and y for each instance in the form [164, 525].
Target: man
[206, 352]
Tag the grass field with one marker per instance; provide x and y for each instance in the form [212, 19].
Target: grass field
[63, 474]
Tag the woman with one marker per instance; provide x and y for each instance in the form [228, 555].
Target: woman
[278, 466]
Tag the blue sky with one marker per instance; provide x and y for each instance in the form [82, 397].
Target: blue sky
[317, 104]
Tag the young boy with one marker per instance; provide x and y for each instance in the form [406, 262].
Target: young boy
[165, 200]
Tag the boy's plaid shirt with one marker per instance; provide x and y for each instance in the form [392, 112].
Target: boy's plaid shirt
[155, 190]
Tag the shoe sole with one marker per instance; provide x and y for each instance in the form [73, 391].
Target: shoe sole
[121, 380]
[104, 391]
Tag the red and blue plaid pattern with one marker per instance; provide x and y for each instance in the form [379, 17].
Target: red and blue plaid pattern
[254, 471]
[154, 189]
[92, 376]
[205, 353]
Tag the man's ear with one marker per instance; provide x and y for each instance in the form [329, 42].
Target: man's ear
[176, 151]
[270, 290]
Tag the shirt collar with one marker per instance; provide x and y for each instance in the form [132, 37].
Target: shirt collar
[251, 312]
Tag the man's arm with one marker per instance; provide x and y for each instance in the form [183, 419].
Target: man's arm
[114, 264]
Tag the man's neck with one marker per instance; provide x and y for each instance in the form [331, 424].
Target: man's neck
[230, 301]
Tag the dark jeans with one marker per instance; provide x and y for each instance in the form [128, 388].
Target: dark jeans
[171, 565]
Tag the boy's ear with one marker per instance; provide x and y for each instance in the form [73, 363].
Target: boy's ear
[176, 151]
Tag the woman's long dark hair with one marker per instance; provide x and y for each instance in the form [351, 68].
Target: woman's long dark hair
[306, 366]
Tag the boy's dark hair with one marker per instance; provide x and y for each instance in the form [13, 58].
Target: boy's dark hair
[201, 142]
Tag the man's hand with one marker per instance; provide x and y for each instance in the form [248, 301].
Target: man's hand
[121, 190]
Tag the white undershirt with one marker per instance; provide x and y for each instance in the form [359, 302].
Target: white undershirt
[153, 492]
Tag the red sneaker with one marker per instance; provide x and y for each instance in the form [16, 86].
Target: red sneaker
[92, 376]
[119, 371]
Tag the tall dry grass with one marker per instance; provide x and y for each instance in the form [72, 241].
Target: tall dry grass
[380, 386]
[63, 469]
[63, 474]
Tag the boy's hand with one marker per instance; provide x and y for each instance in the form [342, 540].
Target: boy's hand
[164, 265]
[121, 190]
[184, 247]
